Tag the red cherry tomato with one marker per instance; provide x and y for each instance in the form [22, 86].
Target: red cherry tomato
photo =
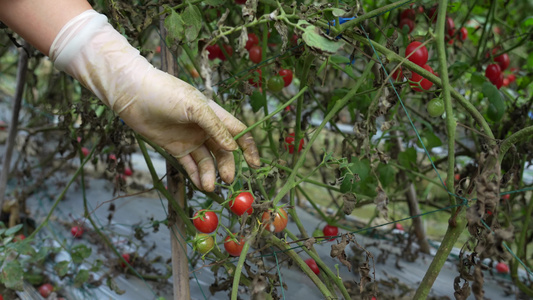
[127, 258]
[214, 52]
[256, 54]
[46, 289]
[252, 41]
[398, 74]
[312, 265]
[128, 172]
[419, 56]
[112, 157]
[242, 203]
[205, 221]
[228, 49]
[256, 80]
[280, 220]
[240, 1]
[432, 13]
[407, 14]
[330, 231]
[398, 226]
[493, 72]
[450, 26]
[424, 83]
[85, 151]
[502, 268]
[511, 77]
[232, 247]
[76, 231]
[499, 82]
[19, 237]
[287, 76]
[503, 61]
[289, 143]
[463, 34]
[407, 22]
[506, 197]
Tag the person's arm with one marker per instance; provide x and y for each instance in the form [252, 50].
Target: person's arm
[161, 107]
[39, 21]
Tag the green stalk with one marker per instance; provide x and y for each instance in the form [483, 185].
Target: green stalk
[329, 274]
[240, 264]
[516, 137]
[299, 262]
[454, 230]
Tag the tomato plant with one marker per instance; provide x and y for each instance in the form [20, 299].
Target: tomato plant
[330, 232]
[242, 203]
[252, 41]
[289, 143]
[205, 221]
[46, 289]
[256, 79]
[312, 265]
[256, 54]
[234, 248]
[417, 53]
[214, 52]
[407, 22]
[127, 258]
[417, 80]
[280, 220]
[204, 243]
[76, 231]
[435, 107]
[502, 268]
[275, 84]
[286, 74]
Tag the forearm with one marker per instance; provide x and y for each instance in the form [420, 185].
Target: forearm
[39, 21]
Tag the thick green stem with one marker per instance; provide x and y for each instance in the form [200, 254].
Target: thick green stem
[240, 264]
[516, 137]
[456, 224]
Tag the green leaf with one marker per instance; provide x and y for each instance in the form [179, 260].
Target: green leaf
[387, 174]
[34, 278]
[40, 255]
[12, 275]
[213, 2]
[96, 266]
[312, 36]
[339, 59]
[192, 21]
[257, 100]
[13, 230]
[407, 158]
[80, 252]
[61, 268]
[81, 278]
[477, 80]
[496, 107]
[174, 26]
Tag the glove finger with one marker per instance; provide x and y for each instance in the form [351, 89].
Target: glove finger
[234, 126]
[212, 125]
[206, 167]
[191, 168]
[225, 161]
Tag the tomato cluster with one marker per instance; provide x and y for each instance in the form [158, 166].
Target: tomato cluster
[417, 53]
[289, 143]
[494, 71]
[214, 52]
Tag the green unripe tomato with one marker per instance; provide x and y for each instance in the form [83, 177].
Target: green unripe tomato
[203, 243]
[276, 84]
[318, 233]
[435, 107]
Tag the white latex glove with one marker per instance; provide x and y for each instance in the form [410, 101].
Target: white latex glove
[161, 107]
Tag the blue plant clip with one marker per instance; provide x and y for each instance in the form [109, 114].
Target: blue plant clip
[341, 21]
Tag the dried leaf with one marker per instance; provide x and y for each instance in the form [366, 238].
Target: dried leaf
[337, 251]
[309, 243]
[461, 292]
[381, 202]
[350, 200]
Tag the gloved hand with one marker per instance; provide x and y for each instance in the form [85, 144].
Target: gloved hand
[161, 107]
